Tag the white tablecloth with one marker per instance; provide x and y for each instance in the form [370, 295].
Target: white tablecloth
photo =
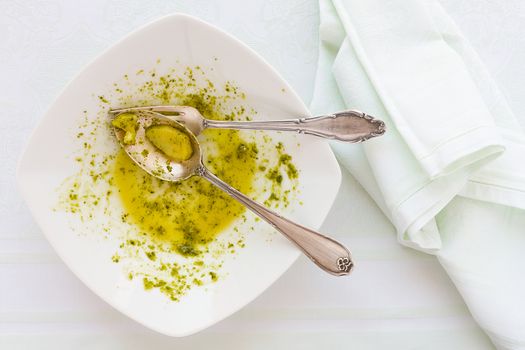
[397, 298]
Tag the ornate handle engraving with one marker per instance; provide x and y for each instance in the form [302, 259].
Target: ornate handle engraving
[346, 126]
[345, 264]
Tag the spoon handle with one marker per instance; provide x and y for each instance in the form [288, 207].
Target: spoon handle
[348, 126]
[327, 253]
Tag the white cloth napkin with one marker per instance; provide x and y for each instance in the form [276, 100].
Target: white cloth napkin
[450, 171]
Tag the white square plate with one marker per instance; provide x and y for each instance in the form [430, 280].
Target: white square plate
[47, 162]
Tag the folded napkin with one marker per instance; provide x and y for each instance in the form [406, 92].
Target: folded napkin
[450, 171]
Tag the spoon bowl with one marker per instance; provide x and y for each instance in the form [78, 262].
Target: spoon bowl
[150, 158]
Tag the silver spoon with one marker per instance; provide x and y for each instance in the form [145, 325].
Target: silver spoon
[348, 126]
[327, 253]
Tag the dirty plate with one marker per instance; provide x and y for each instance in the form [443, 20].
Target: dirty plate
[266, 256]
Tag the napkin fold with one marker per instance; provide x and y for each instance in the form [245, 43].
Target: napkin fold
[450, 171]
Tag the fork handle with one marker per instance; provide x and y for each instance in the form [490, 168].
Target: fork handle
[327, 253]
[348, 126]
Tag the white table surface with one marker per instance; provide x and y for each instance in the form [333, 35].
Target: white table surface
[397, 298]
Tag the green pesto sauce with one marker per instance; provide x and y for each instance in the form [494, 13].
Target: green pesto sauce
[190, 213]
[170, 231]
[127, 122]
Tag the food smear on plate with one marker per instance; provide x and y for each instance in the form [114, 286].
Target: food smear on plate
[173, 236]
[188, 214]
[174, 143]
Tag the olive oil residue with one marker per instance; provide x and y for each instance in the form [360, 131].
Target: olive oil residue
[169, 232]
[173, 142]
[190, 213]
